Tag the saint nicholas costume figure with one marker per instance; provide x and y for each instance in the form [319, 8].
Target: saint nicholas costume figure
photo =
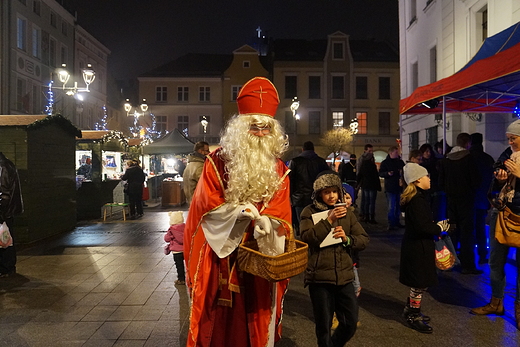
[243, 193]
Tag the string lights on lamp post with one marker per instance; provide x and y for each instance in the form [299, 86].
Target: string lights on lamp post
[136, 129]
[204, 122]
[294, 107]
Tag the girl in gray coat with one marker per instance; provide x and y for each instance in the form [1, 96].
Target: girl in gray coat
[329, 273]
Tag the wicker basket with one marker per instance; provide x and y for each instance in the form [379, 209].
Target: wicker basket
[273, 268]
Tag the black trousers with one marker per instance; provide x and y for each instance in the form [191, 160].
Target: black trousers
[8, 255]
[327, 299]
[462, 213]
[136, 202]
[178, 258]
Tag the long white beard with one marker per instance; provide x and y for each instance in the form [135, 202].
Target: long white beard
[252, 175]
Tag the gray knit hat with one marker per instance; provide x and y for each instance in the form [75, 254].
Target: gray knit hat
[413, 172]
[514, 128]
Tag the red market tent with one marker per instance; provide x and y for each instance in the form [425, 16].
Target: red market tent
[489, 83]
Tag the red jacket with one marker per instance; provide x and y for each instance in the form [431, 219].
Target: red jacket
[175, 236]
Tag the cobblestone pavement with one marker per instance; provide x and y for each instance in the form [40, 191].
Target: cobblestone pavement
[110, 284]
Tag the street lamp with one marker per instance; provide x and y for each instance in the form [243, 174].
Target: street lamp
[136, 129]
[89, 75]
[294, 107]
[204, 123]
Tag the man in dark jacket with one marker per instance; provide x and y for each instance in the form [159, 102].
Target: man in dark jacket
[391, 170]
[304, 170]
[11, 204]
[460, 178]
[485, 165]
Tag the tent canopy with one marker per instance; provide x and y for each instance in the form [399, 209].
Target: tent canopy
[173, 143]
[490, 82]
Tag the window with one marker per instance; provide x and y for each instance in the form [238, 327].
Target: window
[384, 88]
[337, 119]
[415, 76]
[234, 92]
[337, 49]
[161, 123]
[413, 11]
[182, 93]
[290, 122]
[20, 94]
[161, 94]
[433, 64]
[37, 7]
[53, 20]
[64, 55]
[246, 64]
[291, 87]
[362, 122]
[361, 87]
[314, 122]
[484, 14]
[431, 135]
[21, 33]
[182, 124]
[384, 123]
[338, 87]
[204, 94]
[64, 28]
[52, 52]
[201, 128]
[413, 141]
[314, 87]
[36, 43]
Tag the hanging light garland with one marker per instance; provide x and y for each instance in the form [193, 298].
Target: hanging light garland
[50, 100]
[103, 125]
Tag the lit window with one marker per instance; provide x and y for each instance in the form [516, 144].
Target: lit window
[362, 122]
[337, 119]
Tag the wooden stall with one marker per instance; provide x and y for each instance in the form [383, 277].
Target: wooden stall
[42, 148]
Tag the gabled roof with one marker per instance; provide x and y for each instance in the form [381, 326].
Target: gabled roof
[33, 122]
[315, 50]
[173, 143]
[193, 65]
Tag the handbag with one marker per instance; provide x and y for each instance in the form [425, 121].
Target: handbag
[445, 255]
[6, 239]
[507, 228]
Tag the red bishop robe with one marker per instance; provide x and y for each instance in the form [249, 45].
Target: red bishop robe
[229, 307]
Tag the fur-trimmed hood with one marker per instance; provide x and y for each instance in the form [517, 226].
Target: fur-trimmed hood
[324, 180]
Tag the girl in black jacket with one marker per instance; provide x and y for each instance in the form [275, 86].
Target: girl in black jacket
[417, 268]
[329, 273]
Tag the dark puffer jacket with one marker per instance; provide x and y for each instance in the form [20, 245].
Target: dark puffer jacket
[304, 169]
[332, 264]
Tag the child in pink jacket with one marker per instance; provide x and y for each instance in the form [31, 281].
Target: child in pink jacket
[175, 236]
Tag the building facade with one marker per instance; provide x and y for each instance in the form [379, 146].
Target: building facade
[335, 80]
[437, 38]
[37, 37]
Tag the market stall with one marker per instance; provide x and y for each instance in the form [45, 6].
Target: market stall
[166, 162]
[107, 152]
[42, 148]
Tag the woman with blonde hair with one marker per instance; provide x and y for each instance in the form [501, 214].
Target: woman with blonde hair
[417, 269]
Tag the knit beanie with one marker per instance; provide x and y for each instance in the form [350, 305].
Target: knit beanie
[514, 128]
[413, 172]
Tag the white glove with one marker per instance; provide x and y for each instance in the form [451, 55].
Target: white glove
[444, 225]
[263, 227]
[248, 211]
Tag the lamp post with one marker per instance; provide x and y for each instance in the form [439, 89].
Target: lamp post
[354, 124]
[88, 74]
[294, 107]
[205, 124]
[136, 129]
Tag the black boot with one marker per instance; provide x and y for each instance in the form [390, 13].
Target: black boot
[424, 317]
[414, 320]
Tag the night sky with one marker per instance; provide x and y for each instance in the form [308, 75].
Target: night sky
[144, 34]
